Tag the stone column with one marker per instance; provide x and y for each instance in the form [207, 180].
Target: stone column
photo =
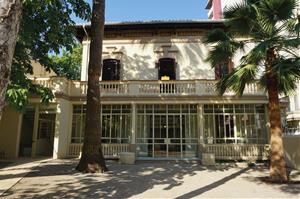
[85, 59]
[35, 131]
[62, 128]
[200, 129]
[132, 146]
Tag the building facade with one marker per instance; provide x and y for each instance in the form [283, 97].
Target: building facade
[158, 100]
[290, 104]
[216, 8]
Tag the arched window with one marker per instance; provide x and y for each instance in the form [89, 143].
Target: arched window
[111, 70]
[166, 69]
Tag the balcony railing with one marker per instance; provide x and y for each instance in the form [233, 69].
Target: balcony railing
[292, 131]
[239, 151]
[109, 150]
[143, 88]
[221, 151]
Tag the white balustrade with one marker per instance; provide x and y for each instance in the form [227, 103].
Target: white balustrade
[109, 150]
[221, 151]
[143, 88]
[238, 151]
[167, 88]
[114, 88]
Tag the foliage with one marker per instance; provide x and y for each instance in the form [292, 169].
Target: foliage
[271, 31]
[263, 25]
[68, 64]
[46, 27]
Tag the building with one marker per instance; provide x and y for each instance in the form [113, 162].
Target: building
[158, 100]
[216, 7]
[290, 104]
[293, 111]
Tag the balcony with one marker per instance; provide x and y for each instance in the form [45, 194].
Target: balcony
[147, 88]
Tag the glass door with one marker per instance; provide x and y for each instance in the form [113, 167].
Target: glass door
[175, 128]
[160, 139]
[167, 132]
[46, 130]
[224, 128]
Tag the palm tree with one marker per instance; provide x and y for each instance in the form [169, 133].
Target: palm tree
[271, 28]
[92, 159]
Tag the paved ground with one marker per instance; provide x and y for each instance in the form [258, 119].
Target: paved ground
[58, 179]
[12, 171]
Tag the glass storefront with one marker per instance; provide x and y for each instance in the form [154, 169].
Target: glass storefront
[172, 131]
[116, 123]
[167, 131]
[239, 124]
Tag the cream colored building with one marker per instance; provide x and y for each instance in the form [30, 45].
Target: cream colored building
[158, 100]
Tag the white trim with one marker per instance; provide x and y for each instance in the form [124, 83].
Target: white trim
[35, 131]
[19, 135]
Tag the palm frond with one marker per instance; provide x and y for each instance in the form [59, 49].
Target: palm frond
[289, 43]
[219, 54]
[274, 11]
[215, 36]
[292, 26]
[224, 47]
[238, 79]
[257, 54]
[288, 73]
[252, 1]
[241, 17]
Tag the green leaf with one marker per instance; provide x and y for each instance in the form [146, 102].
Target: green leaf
[237, 80]
[46, 28]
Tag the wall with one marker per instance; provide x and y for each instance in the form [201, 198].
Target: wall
[224, 5]
[40, 71]
[63, 128]
[9, 132]
[295, 99]
[292, 151]
[139, 57]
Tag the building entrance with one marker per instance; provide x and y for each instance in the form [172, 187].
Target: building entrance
[168, 132]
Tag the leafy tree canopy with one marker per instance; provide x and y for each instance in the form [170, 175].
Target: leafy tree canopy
[46, 27]
[68, 63]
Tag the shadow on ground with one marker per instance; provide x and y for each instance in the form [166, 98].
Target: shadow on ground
[57, 179]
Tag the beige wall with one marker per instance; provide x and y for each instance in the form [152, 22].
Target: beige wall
[292, 151]
[9, 132]
[63, 128]
[40, 71]
[139, 57]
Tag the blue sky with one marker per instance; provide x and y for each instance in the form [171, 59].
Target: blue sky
[136, 10]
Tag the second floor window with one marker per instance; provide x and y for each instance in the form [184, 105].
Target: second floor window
[223, 69]
[167, 69]
[111, 70]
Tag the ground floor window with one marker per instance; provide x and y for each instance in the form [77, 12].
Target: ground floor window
[173, 130]
[38, 141]
[240, 123]
[166, 131]
[116, 123]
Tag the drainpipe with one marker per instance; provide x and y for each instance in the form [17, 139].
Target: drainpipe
[86, 33]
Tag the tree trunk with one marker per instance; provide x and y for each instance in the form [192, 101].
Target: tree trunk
[92, 159]
[10, 16]
[277, 162]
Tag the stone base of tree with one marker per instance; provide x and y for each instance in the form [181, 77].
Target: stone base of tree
[127, 158]
[208, 159]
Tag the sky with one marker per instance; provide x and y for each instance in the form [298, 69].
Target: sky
[145, 10]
